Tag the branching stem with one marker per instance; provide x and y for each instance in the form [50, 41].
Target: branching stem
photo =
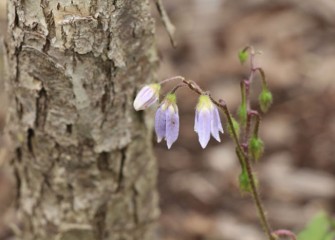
[242, 151]
[242, 155]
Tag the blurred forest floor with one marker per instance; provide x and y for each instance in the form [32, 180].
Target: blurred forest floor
[200, 199]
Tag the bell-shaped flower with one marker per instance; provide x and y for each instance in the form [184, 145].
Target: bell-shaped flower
[207, 121]
[147, 96]
[167, 120]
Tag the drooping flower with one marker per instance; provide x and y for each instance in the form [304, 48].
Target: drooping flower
[207, 121]
[167, 120]
[147, 96]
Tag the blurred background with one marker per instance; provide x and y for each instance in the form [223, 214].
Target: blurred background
[200, 198]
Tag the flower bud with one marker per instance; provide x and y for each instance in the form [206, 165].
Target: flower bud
[244, 181]
[236, 127]
[147, 96]
[243, 55]
[265, 100]
[256, 147]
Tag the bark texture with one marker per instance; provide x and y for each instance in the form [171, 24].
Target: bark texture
[83, 157]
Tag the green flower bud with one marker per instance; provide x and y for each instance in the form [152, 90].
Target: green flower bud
[265, 99]
[243, 56]
[245, 185]
[244, 182]
[256, 147]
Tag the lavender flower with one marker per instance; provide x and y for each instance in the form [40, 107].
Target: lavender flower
[207, 121]
[167, 120]
[147, 96]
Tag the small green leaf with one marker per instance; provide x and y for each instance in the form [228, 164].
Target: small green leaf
[256, 147]
[319, 228]
[243, 56]
[236, 127]
[265, 100]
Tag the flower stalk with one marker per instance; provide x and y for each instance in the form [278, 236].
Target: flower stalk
[244, 161]
[249, 146]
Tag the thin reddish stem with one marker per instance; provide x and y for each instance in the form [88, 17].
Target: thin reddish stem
[181, 78]
[284, 233]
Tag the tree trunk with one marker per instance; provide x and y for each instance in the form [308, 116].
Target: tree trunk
[83, 164]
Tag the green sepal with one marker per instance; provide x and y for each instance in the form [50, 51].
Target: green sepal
[171, 98]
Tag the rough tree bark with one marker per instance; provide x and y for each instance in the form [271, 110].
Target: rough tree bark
[83, 164]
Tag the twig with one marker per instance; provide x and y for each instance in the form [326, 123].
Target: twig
[172, 79]
[170, 28]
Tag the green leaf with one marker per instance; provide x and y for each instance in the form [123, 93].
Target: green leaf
[319, 228]
[256, 147]
[243, 55]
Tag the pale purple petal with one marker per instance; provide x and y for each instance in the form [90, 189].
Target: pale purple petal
[160, 124]
[151, 101]
[172, 125]
[204, 127]
[216, 124]
[196, 121]
[219, 120]
[145, 98]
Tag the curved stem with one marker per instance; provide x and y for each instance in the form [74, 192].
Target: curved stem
[181, 78]
[257, 117]
[174, 90]
[284, 233]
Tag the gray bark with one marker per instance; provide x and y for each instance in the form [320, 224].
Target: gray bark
[83, 157]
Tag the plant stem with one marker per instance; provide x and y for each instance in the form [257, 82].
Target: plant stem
[172, 79]
[255, 114]
[244, 160]
[174, 90]
[255, 194]
[285, 233]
